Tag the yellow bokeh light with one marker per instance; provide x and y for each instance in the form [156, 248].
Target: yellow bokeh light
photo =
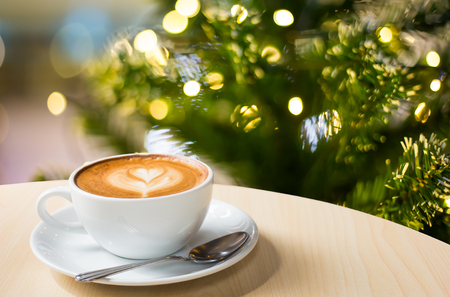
[174, 22]
[447, 202]
[216, 87]
[249, 111]
[56, 103]
[214, 80]
[271, 53]
[188, 8]
[234, 9]
[422, 113]
[433, 59]
[191, 88]
[145, 40]
[385, 35]
[252, 124]
[283, 18]
[241, 18]
[159, 109]
[240, 12]
[246, 117]
[259, 73]
[435, 85]
[295, 105]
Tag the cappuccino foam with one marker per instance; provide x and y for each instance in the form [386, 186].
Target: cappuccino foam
[141, 176]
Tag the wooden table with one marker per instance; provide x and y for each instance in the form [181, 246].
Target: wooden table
[306, 248]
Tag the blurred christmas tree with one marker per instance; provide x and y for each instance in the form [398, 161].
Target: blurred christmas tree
[310, 98]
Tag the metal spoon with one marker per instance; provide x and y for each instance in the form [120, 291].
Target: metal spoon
[212, 251]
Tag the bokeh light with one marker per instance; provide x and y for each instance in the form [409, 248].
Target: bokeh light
[239, 12]
[259, 73]
[56, 103]
[252, 124]
[271, 53]
[145, 40]
[159, 109]
[234, 9]
[295, 105]
[435, 85]
[246, 117]
[283, 18]
[385, 35]
[422, 113]
[188, 8]
[174, 22]
[433, 59]
[214, 80]
[191, 88]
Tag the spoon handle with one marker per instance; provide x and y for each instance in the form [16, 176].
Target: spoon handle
[96, 274]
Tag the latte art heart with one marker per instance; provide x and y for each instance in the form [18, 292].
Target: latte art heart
[146, 174]
[141, 176]
[143, 181]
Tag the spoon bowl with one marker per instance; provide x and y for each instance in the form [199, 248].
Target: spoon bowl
[219, 248]
[213, 251]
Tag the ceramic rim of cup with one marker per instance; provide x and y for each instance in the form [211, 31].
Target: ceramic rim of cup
[207, 181]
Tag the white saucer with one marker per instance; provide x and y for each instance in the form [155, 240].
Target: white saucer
[71, 253]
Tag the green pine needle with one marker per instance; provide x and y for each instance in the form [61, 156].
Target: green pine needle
[415, 192]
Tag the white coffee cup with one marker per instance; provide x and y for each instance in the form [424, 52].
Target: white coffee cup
[136, 228]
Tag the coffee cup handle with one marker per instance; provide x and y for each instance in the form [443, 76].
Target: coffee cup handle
[61, 191]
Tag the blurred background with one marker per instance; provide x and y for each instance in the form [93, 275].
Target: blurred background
[341, 101]
[42, 49]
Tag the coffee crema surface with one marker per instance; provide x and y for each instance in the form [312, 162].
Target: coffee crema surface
[141, 176]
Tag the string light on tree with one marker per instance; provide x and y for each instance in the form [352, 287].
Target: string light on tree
[191, 88]
[214, 80]
[158, 109]
[422, 113]
[295, 105]
[188, 8]
[272, 54]
[283, 18]
[435, 85]
[240, 12]
[385, 35]
[145, 40]
[433, 59]
[366, 64]
[174, 22]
